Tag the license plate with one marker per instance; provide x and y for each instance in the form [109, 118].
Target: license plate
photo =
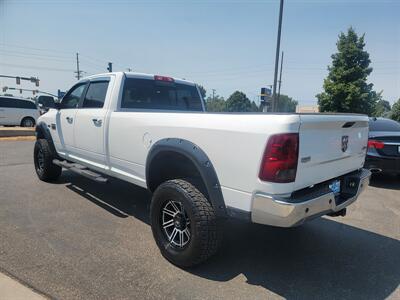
[335, 187]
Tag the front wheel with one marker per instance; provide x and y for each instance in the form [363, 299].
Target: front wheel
[43, 160]
[184, 223]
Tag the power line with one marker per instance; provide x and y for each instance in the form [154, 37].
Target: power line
[35, 67]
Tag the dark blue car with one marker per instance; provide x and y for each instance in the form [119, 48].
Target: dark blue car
[383, 146]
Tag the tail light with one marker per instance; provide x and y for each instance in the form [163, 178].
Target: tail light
[279, 163]
[163, 78]
[375, 144]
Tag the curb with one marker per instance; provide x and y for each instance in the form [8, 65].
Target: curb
[16, 131]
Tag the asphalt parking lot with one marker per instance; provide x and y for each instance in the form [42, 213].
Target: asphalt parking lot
[75, 239]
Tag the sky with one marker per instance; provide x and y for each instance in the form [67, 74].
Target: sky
[222, 45]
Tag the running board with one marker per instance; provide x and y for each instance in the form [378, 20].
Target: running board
[81, 170]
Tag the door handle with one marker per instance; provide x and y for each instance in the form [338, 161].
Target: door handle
[97, 122]
[69, 119]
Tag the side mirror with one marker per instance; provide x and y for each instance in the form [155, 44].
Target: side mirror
[47, 102]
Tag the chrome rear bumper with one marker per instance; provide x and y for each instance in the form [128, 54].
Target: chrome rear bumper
[283, 212]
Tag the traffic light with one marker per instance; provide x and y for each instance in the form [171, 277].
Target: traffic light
[37, 82]
[20, 91]
[109, 68]
[5, 89]
[18, 80]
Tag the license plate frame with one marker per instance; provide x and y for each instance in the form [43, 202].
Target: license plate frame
[335, 187]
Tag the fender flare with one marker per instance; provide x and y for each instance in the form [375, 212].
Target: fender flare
[201, 161]
[42, 131]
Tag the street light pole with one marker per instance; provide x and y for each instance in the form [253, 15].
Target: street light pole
[278, 45]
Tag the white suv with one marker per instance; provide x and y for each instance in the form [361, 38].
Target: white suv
[18, 112]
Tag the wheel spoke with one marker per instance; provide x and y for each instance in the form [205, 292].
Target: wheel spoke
[168, 223]
[187, 233]
[169, 212]
[174, 206]
[180, 238]
[173, 234]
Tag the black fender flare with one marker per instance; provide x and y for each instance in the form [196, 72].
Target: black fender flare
[42, 132]
[201, 161]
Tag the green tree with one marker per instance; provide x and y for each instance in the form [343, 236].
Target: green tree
[287, 104]
[346, 88]
[382, 107]
[216, 105]
[238, 102]
[395, 113]
[255, 107]
[202, 90]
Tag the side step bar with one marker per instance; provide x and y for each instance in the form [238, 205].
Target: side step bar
[81, 170]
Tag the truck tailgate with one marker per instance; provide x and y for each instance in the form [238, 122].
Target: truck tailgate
[330, 146]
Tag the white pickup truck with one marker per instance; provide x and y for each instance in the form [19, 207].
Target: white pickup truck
[154, 131]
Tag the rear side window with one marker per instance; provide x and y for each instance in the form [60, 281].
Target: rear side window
[16, 103]
[7, 102]
[152, 94]
[96, 95]
[383, 125]
[26, 104]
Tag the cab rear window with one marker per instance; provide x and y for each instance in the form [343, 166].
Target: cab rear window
[160, 95]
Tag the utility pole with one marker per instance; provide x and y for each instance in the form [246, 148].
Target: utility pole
[278, 45]
[78, 72]
[280, 82]
[213, 90]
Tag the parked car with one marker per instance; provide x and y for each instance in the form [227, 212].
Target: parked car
[153, 131]
[383, 146]
[18, 112]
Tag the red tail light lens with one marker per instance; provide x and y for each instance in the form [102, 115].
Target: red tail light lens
[163, 78]
[279, 163]
[375, 144]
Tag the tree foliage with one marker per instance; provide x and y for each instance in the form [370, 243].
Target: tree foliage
[395, 113]
[216, 105]
[287, 104]
[202, 90]
[382, 107]
[238, 102]
[346, 88]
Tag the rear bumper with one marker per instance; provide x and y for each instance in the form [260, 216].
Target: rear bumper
[283, 212]
[384, 164]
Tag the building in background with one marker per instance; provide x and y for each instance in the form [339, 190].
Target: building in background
[307, 109]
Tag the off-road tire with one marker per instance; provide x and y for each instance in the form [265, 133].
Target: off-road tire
[205, 227]
[45, 170]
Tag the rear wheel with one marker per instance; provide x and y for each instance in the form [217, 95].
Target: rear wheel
[28, 122]
[43, 160]
[184, 223]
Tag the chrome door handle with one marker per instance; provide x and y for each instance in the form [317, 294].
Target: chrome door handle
[69, 119]
[97, 122]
